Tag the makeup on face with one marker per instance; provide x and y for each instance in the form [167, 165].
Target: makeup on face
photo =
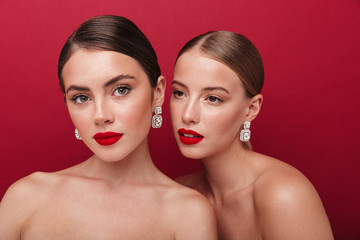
[208, 101]
[189, 137]
[107, 138]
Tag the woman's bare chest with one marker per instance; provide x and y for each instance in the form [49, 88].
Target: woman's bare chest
[96, 217]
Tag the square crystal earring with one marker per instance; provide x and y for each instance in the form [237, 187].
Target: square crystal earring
[245, 133]
[157, 118]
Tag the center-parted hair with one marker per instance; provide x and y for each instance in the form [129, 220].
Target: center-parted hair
[112, 33]
[235, 51]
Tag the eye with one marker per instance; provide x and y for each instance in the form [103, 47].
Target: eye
[122, 90]
[214, 99]
[79, 99]
[178, 93]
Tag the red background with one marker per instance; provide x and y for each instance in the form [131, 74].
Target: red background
[310, 115]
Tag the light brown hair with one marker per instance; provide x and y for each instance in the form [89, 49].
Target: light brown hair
[235, 51]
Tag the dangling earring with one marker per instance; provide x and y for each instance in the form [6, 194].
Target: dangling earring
[157, 119]
[245, 133]
[77, 135]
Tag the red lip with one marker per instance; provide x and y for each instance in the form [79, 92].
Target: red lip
[189, 137]
[107, 138]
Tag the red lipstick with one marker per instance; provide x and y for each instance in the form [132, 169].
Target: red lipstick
[189, 136]
[107, 138]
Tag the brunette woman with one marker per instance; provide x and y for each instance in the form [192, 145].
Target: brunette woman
[216, 95]
[111, 79]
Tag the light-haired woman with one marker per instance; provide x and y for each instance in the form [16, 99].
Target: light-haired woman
[216, 95]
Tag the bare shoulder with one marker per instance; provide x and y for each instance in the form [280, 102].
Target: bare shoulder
[192, 214]
[191, 180]
[28, 186]
[288, 204]
[29, 190]
[19, 201]
[190, 199]
[181, 193]
[279, 179]
[189, 213]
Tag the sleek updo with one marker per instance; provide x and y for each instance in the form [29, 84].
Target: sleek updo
[112, 33]
[235, 51]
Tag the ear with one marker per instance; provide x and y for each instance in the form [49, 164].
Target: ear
[254, 107]
[159, 92]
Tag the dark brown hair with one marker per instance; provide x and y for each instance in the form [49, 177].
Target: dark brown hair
[112, 33]
[235, 51]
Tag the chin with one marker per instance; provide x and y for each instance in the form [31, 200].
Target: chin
[110, 156]
[108, 159]
[192, 153]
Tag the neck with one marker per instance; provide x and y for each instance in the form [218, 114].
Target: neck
[227, 171]
[137, 167]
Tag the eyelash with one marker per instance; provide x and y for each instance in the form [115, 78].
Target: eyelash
[178, 93]
[122, 87]
[76, 98]
[217, 100]
[211, 99]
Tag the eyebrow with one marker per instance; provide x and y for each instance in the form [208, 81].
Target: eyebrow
[77, 88]
[107, 84]
[206, 89]
[118, 78]
[217, 88]
[178, 83]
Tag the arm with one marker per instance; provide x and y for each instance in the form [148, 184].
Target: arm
[11, 213]
[16, 206]
[196, 220]
[290, 208]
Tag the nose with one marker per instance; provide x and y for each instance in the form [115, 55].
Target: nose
[103, 113]
[191, 112]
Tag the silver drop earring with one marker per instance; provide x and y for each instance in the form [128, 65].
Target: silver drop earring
[157, 118]
[77, 135]
[245, 133]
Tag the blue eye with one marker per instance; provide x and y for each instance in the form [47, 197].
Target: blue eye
[122, 90]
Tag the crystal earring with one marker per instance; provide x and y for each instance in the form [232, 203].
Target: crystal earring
[77, 135]
[157, 119]
[245, 133]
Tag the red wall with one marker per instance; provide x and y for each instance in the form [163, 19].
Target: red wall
[310, 114]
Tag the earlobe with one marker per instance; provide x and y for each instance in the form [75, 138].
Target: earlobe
[254, 107]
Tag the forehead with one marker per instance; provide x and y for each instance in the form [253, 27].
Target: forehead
[88, 66]
[194, 67]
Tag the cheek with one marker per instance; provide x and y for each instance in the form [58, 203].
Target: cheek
[224, 122]
[175, 111]
[134, 115]
[171, 107]
[136, 111]
[80, 118]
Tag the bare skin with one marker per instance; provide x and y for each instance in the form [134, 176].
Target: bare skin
[76, 204]
[254, 196]
[259, 197]
[117, 193]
